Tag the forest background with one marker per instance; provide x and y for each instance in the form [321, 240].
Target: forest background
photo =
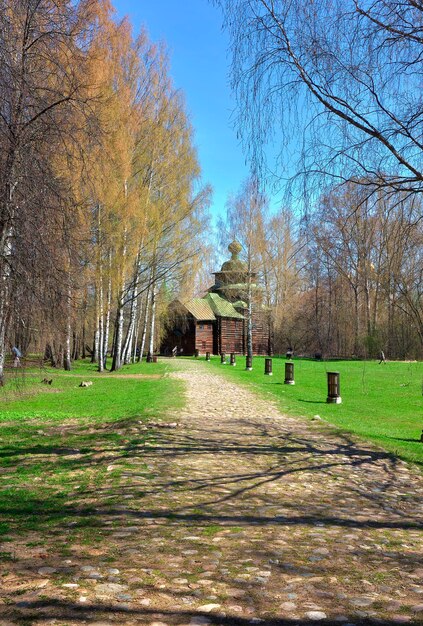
[104, 215]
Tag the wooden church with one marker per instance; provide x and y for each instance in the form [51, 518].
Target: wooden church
[217, 322]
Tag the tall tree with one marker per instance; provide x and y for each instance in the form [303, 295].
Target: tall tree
[42, 55]
[369, 262]
[245, 222]
[345, 73]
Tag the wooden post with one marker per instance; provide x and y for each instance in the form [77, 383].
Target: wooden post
[289, 374]
[233, 359]
[268, 367]
[223, 358]
[334, 390]
[196, 353]
[155, 359]
[249, 363]
[207, 356]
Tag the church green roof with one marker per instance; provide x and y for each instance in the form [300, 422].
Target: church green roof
[240, 304]
[221, 307]
[200, 309]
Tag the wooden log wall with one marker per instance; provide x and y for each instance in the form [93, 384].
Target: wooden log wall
[231, 335]
[204, 337]
[223, 335]
[260, 333]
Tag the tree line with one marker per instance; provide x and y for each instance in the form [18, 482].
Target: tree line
[102, 209]
[335, 89]
[101, 202]
[348, 281]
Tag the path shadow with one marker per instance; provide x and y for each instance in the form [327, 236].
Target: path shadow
[62, 610]
[403, 439]
[230, 495]
[288, 454]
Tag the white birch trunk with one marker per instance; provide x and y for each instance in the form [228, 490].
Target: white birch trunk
[100, 326]
[107, 320]
[100, 294]
[127, 349]
[5, 254]
[145, 324]
[67, 362]
[249, 313]
[117, 363]
[127, 352]
[117, 348]
[94, 355]
[152, 320]
[2, 338]
[4, 304]
[136, 335]
[127, 340]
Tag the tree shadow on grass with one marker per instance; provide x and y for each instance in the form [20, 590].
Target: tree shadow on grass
[278, 455]
[288, 454]
[418, 440]
[231, 495]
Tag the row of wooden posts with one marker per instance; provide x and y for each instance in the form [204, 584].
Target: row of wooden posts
[334, 389]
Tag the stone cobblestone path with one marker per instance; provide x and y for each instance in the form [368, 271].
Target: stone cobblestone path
[243, 516]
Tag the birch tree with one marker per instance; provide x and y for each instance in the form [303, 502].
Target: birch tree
[245, 222]
[344, 76]
[41, 57]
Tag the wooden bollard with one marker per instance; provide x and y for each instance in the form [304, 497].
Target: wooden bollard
[268, 367]
[155, 359]
[196, 353]
[223, 358]
[249, 363]
[289, 374]
[233, 359]
[334, 389]
[207, 356]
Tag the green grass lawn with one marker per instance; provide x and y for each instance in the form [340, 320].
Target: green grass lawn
[111, 396]
[382, 403]
[57, 441]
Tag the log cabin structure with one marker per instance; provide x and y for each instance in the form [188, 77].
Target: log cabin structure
[217, 323]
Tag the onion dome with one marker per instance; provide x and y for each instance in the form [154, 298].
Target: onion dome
[234, 264]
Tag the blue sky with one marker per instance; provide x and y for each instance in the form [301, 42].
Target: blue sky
[199, 67]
